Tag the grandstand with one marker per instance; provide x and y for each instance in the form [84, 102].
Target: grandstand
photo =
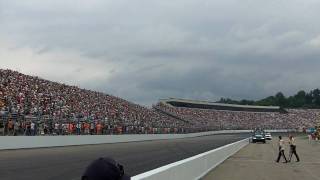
[30, 106]
[206, 115]
[219, 106]
[29, 99]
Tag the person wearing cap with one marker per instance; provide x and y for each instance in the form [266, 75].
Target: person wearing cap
[281, 150]
[293, 149]
[105, 169]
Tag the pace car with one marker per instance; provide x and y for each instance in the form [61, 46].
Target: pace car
[259, 136]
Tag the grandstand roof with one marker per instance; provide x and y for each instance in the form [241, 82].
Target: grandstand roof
[213, 105]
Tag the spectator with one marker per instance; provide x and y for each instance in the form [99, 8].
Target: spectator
[92, 128]
[105, 168]
[10, 127]
[98, 128]
[33, 129]
[16, 128]
[57, 128]
[78, 126]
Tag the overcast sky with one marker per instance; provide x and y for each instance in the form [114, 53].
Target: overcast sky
[144, 50]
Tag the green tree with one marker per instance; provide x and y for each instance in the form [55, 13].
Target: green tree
[299, 100]
[316, 97]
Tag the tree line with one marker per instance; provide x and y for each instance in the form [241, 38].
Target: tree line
[301, 99]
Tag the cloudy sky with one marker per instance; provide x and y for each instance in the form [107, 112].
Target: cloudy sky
[144, 50]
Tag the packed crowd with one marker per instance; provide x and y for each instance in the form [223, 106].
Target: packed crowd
[34, 127]
[226, 119]
[27, 100]
[33, 106]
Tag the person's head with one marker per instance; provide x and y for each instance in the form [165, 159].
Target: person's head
[105, 169]
[280, 137]
[290, 137]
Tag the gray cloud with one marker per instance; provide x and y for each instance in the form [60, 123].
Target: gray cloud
[146, 50]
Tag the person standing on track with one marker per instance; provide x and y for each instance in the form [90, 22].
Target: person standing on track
[281, 150]
[293, 148]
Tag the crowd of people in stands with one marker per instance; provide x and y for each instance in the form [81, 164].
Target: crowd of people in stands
[33, 106]
[34, 127]
[27, 100]
[227, 119]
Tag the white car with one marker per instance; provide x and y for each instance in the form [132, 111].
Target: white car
[268, 136]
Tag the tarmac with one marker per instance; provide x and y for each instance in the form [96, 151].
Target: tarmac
[257, 162]
[68, 163]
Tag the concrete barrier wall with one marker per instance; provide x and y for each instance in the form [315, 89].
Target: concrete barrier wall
[281, 130]
[19, 142]
[194, 167]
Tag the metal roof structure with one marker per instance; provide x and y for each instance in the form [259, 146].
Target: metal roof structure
[172, 101]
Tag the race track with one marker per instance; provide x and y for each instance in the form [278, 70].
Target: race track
[68, 163]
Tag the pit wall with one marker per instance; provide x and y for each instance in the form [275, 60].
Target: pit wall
[194, 167]
[25, 142]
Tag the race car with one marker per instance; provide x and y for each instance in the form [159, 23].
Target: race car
[258, 136]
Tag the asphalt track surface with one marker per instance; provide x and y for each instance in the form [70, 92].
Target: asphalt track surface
[68, 163]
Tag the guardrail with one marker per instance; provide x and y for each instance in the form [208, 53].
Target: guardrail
[22, 142]
[194, 167]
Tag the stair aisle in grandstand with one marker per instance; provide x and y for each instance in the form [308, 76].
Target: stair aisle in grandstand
[257, 162]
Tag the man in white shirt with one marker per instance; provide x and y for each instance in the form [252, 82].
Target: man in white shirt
[33, 128]
[78, 126]
[56, 128]
[293, 149]
[281, 150]
[16, 128]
